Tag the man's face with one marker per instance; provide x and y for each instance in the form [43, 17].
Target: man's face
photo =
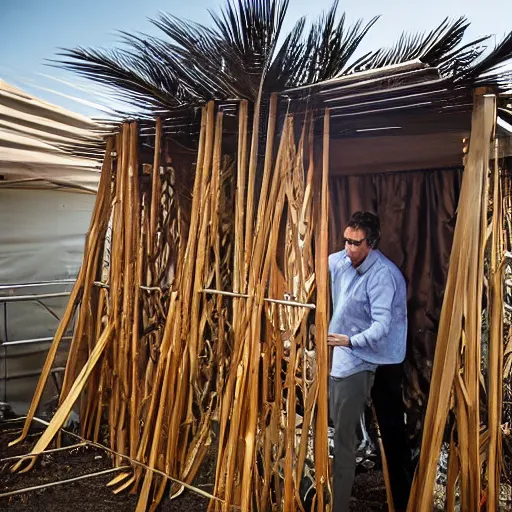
[356, 245]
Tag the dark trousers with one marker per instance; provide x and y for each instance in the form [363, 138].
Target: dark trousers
[389, 408]
[347, 399]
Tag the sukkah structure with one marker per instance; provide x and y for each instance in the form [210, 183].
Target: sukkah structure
[202, 303]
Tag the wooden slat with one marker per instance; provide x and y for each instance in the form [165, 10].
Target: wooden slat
[495, 361]
[63, 412]
[463, 281]
[321, 315]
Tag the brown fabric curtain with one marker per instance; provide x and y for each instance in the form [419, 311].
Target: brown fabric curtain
[417, 212]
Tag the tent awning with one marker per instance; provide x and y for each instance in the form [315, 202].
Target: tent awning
[35, 142]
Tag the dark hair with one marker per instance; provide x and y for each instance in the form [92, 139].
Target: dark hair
[369, 223]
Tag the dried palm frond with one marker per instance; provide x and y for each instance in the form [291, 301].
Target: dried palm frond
[237, 58]
[123, 72]
[486, 71]
[330, 45]
[244, 55]
[439, 47]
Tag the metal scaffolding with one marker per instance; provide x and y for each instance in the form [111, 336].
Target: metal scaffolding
[16, 293]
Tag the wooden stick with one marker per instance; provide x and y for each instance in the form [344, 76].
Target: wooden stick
[385, 469]
[62, 482]
[227, 294]
[131, 208]
[495, 392]
[139, 239]
[260, 262]
[74, 297]
[238, 263]
[290, 303]
[453, 472]
[63, 411]
[322, 277]
[269, 150]
[462, 279]
[115, 279]
[249, 207]
[155, 185]
[163, 366]
[240, 364]
[201, 254]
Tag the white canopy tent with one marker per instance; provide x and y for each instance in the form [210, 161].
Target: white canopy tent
[46, 200]
[33, 138]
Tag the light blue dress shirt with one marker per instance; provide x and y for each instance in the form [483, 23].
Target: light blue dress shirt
[370, 307]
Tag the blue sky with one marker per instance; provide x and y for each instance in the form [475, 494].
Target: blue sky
[32, 30]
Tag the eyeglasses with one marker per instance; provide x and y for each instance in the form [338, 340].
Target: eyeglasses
[357, 243]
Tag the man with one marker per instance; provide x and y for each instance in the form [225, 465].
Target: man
[368, 328]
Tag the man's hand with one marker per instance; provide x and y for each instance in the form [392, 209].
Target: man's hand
[337, 340]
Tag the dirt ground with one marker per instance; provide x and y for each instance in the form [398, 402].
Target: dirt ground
[92, 495]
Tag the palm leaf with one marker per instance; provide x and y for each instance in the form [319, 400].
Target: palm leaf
[238, 57]
[288, 64]
[249, 38]
[131, 77]
[485, 72]
[196, 52]
[321, 55]
[438, 47]
[195, 83]
[330, 46]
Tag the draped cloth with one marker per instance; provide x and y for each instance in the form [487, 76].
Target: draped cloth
[417, 211]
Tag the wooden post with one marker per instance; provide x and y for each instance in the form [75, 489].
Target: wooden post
[495, 364]
[322, 278]
[155, 185]
[459, 324]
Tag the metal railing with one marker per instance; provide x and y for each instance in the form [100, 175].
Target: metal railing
[8, 296]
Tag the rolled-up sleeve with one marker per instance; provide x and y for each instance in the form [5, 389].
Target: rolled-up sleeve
[381, 291]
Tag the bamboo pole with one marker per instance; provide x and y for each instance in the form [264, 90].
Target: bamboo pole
[228, 439]
[155, 185]
[322, 276]
[130, 222]
[202, 168]
[115, 279]
[251, 180]
[246, 357]
[162, 377]
[254, 357]
[269, 150]
[201, 255]
[138, 248]
[462, 279]
[494, 453]
[453, 472]
[63, 412]
[289, 481]
[75, 296]
[238, 262]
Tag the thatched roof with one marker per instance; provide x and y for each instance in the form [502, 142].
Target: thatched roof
[421, 88]
[399, 117]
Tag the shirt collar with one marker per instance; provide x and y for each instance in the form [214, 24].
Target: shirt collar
[368, 262]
